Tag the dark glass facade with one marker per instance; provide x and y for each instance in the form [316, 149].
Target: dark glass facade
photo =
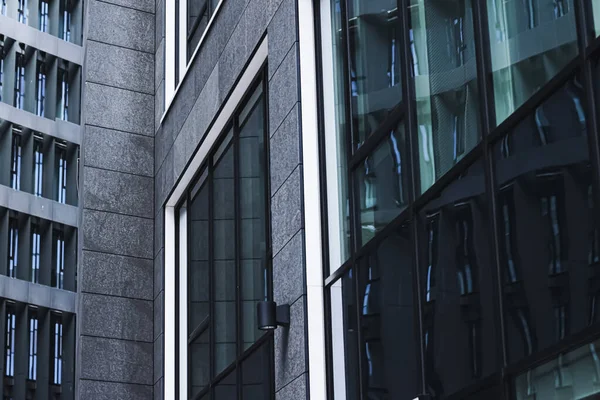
[462, 225]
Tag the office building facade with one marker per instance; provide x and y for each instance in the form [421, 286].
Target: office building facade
[294, 199]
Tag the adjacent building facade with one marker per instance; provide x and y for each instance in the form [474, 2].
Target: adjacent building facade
[416, 182]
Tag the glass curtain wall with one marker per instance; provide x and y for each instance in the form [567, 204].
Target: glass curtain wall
[226, 268]
[462, 198]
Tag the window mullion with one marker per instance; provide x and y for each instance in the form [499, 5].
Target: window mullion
[211, 275]
[237, 221]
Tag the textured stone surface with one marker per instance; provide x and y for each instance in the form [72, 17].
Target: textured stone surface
[116, 360]
[117, 234]
[283, 90]
[159, 234]
[159, 104]
[116, 317]
[118, 192]
[119, 109]
[159, 389]
[285, 149]
[160, 21]
[288, 271]
[95, 390]
[281, 34]
[120, 67]
[116, 275]
[159, 315]
[159, 273]
[286, 211]
[121, 26]
[159, 64]
[290, 347]
[295, 390]
[142, 5]
[159, 349]
[119, 151]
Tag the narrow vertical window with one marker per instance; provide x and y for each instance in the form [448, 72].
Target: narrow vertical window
[58, 270]
[15, 171]
[9, 348]
[41, 89]
[22, 11]
[20, 81]
[43, 16]
[66, 20]
[3, 7]
[1, 64]
[57, 351]
[38, 167]
[35, 253]
[33, 345]
[61, 173]
[13, 246]
[63, 94]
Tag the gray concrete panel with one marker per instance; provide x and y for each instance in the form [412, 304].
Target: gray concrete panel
[38, 206]
[120, 67]
[40, 40]
[119, 151]
[285, 149]
[117, 234]
[283, 89]
[290, 347]
[116, 275]
[281, 34]
[116, 317]
[141, 5]
[295, 390]
[97, 390]
[116, 360]
[119, 109]
[37, 295]
[159, 349]
[118, 192]
[120, 26]
[57, 128]
[286, 211]
[288, 271]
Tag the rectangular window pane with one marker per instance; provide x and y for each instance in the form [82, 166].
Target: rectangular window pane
[38, 167]
[61, 174]
[19, 100]
[56, 350]
[374, 63]
[41, 85]
[15, 171]
[382, 181]
[35, 253]
[199, 13]
[530, 42]
[43, 16]
[443, 50]
[199, 363]
[13, 247]
[226, 389]
[256, 373]
[33, 343]
[58, 259]
[9, 347]
[254, 263]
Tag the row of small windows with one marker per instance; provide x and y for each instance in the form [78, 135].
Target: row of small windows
[61, 18]
[38, 251]
[40, 165]
[37, 82]
[34, 338]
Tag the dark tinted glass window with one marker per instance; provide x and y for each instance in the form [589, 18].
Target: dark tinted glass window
[256, 383]
[549, 242]
[460, 339]
[199, 13]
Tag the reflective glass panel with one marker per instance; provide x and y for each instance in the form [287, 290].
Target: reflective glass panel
[198, 274]
[344, 338]
[256, 371]
[574, 375]
[382, 180]
[226, 389]
[530, 42]
[374, 41]
[389, 341]
[199, 363]
[445, 73]
[253, 247]
[335, 135]
[460, 338]
[549, 247]
[224, 259]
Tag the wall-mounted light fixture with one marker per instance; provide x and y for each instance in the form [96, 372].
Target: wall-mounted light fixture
[270, 315]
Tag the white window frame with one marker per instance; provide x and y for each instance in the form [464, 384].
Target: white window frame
[171, 297]
[170, 47]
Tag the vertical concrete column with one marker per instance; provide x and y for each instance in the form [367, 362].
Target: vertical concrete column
[72, 174]
[49, 173]
[70, 259]
[51, 78]
[8, 79]
[21, 350]
[24, 249]
[4, 232]
[77, 22]
[5, 154]
[46, 248]
[54, 17]
[43, 354]
[74, 93]
[33, 19]
[30, 79]
[27, 142]
[68, 371]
